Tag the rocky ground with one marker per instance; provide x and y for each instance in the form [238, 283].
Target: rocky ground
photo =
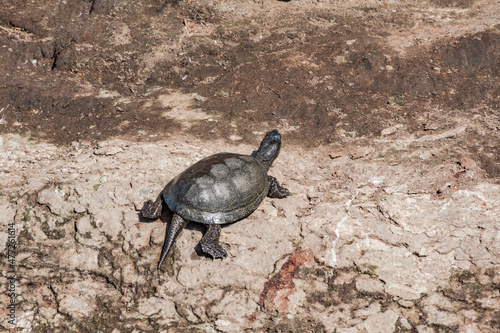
[390, 116]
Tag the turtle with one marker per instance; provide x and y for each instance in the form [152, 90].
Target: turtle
[218, 189]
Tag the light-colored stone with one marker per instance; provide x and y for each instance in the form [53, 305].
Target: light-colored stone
[138, 235]
[404, 322]
[227, 324]
[54, 198]
[80, 258]
[108, 219]
[79, 298]
[444, 135]
[4, 236]
[491, 302]
[439, 317]
[425, 329]
[373, 309]
[409, 283]
[8, 212]
[439, 301]
[405, 303]
[367, 284]
[383, 322]
[83, 225]
[109, 150]
[361, 152]
[201, 274]
[157, 306]
[390, 130]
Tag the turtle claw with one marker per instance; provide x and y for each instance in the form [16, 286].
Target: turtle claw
[210, 242]
[276, 190]
[214, 250]
[284, 192]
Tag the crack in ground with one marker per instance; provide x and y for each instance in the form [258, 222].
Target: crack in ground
[55, 297]
[386, 215]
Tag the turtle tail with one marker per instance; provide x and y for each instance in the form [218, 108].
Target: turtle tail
[173, 230]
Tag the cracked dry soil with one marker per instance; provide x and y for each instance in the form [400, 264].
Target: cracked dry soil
[390, 116]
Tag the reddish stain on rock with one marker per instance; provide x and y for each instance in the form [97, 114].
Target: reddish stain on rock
[281, 285]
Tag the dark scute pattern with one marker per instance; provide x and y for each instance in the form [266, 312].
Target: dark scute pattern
[221, 188]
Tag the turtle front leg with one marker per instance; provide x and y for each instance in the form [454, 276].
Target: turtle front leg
[173, 230]
[210, 242]
[275, 189]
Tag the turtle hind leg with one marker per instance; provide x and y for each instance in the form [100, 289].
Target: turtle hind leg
[275, 189]
[152, 210]
[210, 242]
[173, 230]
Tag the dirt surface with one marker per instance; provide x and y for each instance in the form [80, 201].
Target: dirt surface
[390, 115]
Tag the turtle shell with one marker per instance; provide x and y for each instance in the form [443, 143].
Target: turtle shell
[218, 189]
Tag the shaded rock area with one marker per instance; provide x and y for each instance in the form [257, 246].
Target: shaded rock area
[390, 117]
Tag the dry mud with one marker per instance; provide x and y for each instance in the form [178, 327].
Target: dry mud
[390, 116]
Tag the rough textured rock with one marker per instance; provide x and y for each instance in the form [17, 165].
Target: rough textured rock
[352, 252]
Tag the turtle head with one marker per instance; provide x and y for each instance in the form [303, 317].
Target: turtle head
[269, 148]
